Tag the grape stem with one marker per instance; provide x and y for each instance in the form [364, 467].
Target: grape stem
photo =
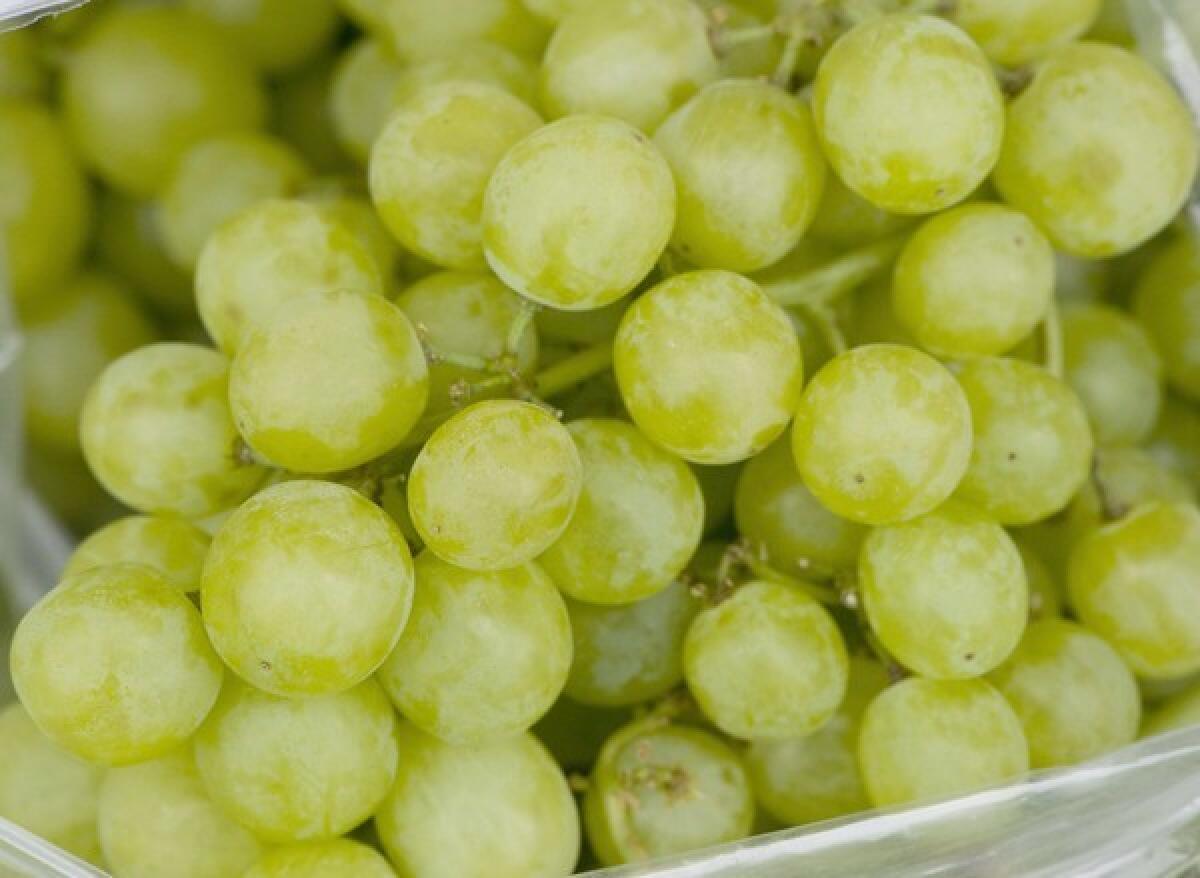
[826, 322]
[574, 370]
[821, 287]
[764, 571]
[1053, 341]
[519, 325]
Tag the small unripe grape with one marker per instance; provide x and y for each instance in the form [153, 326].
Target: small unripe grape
[172, 546]
[421, 29]
[275, 35]
[335, 858]
[1167, 304]
[1017, 32]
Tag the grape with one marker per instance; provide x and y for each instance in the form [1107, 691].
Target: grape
[302, 769]
[421, 29]
[45, 215]
[846, 219]
[577, 214]
[157, 432]
[639, 518]
[173, 547]
[1167, 303]
[84, 326]
[1122, 479]
[474, 62]
[1134, 583]
[432, 161]
[661, 789]
[484, 654]
[306, 588]
[633, 59]
[883, 434]
[766, 663]
[276, 35]
[749, 173]
[909, 112]
[530, 828]
[215, 179]
[1114, 368]
[335, 858]
[974, 281]
[145, 83]
[495, 485]
[708, 366]
[128, 242]
[1175, 442]
[1017, 32]
[930, 739]
[113, 665]
[773, 507]
[363, 95]
[554, 10]
[46, 789]
[23, 71]
[718, 485]
[1099, 151]
[1045, 591]
[1033, 446]
[1073, 694]
[157, 819]
[357, 214]
[1180, 711]
[303, 118]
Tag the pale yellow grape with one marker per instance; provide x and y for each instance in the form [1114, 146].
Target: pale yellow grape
[45, 789]
[484, 653]
[1122, 478]
[748, 171]
[767, 663]
[432, 161]
[1180, 711]
[639, 518]
[23, 72]
[497, 810]
[174, 547]
[1017, 32]
[298, 769]
[1099, 150]
[129, 242]
[421, 29]
[157, 432]
[883, 434]
[1033, 446]
[1134, 583]
[846, 219]
[335, 858]
[708, 366]
[1167, 303]
[156, 819]
[1175, 442]
[363, 94]
[302, 117]
[114, 665]
[214, 180]
[909, 112]
[635, 60]
[145, 83]
[85, 325]
[306, 588]
[356, 213]
[275, 35]
[272, 253]
[931, 739]
[578, 213]
[474, 62]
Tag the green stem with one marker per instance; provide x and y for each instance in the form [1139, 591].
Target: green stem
[518, 326]
[822, 286]
[827, 325]
[763, 570]
[573, 370]
[786, 68]
[1053, 340]
[724, 39]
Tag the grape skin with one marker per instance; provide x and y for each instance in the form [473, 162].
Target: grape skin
[173, 547]
[275, 35]
[335, 858]
[363, 94]
[1016, 32]
[421, 29]
[1167, 304]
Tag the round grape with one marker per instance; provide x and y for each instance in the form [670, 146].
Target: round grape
[335, 858]
[356, 214]
[845, 219]
[1122, 478]
[474, 62]
[421, 29]
[1167, 304]
[363, 94]
[1018, 32]
[275, 35]
[173, 547]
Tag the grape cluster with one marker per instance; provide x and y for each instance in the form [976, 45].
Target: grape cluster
[541, 434]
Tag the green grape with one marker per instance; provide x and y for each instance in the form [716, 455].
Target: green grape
[946, 592]
[639, 518]
[1099, 150]
[1180, 711]
[1033, 446]
[432, 161]
[1134, 583]
[1175, 442]
[1112, 365]
[554, 10]
[578, 213]
[156, 819]
[129, 241]
[335, 858]
[363, 95]
[845, 219]
[531, 828]
[661, 789]
[767, 663]
[214, 180]
[580, 327]
[1045, 591]
[931, 739]
[298, 769]
[495, 485]
[629, 654]
[45, 789]
[306, 588]
[334, 382]
[815, 777]
[23, 71]
[114, 666]
[421, 29]
[974, 281]
[45, 214]
[144, 84]
[357, 214]
[173, 547]
[1122, 479]
[748, 171]
[484, 654]
[275, 35]
[774, 508]
[909, 112]
[635, 60]
[718, 484]
[303, 116]
[270, 254]
[709, 366]
[872, 320]
[1018, 32]
[883, 434]
[474, 62]
[1074, 696]
[574, 732]
[157, 432]
[1167, 304]
[84, 326]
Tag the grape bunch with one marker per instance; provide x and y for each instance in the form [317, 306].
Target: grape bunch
[511, 437]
